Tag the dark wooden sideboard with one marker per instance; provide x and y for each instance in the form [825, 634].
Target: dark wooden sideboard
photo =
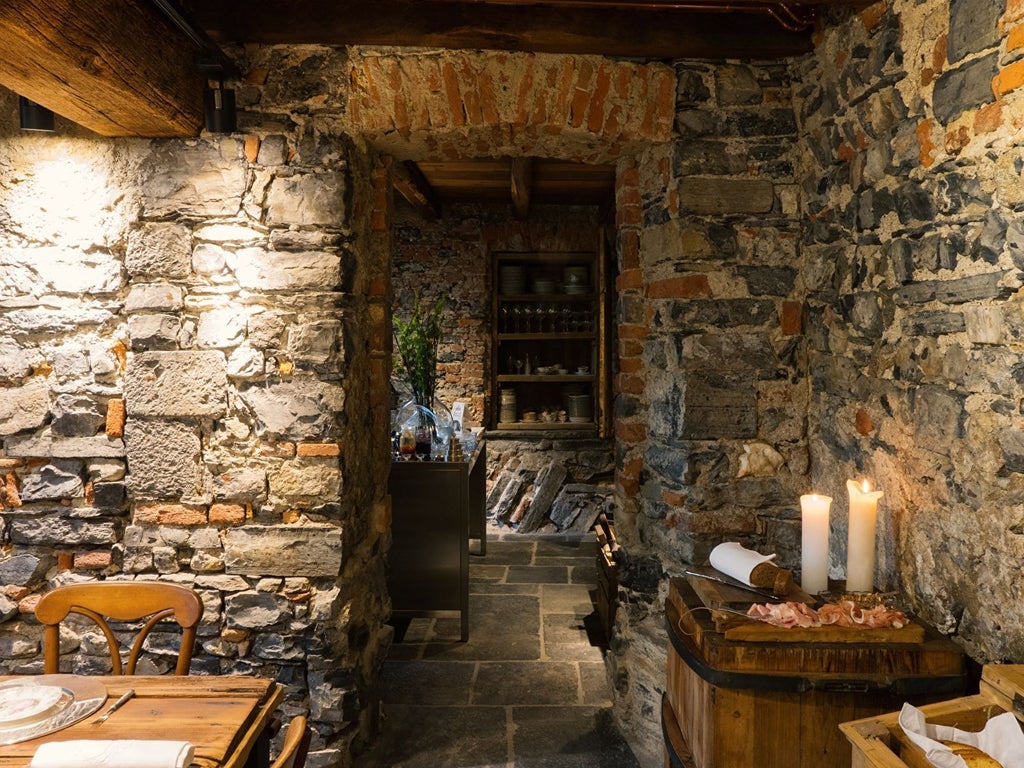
[436, 507]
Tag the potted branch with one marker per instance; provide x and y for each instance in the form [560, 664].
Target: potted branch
[417, 338]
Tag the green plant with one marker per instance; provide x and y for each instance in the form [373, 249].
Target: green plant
[417, 339]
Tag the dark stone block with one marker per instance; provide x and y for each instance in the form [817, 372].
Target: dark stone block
[719, 405]
[900, 254]
[913, 203]
[939, 417]
[1015, 242]
[949, 250]
[933, 323]
[973, 288]
[696, 122]
[723, 237]
[724, 313]
[1011, 441]
[690, 88]
[768, 281]
[76, 416]
[968, 87]
[873, 205]
[641, 574]
[973, 27]
[707, 156]
[991, 239]
[669, 462]
[885, 52]
[109, 495]
[775, 122]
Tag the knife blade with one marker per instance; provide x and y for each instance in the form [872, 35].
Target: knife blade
[730, 582]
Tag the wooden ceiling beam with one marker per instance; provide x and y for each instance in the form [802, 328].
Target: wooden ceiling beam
[521, 182]
[116, 67]
[610, 31]
[409, 181]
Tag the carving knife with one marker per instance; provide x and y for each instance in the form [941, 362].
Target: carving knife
[730, 582]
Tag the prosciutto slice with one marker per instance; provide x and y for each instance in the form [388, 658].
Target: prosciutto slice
[844, 613]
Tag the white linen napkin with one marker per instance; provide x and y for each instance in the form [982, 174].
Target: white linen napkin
[114, 753]
[1001, 739]
[735, 560]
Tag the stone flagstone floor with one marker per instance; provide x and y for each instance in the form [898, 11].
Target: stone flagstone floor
[529, 688]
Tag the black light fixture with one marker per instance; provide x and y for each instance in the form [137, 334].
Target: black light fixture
[34, 117]
[219, 109]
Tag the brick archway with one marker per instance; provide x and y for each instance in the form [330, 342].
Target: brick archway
[441, 105]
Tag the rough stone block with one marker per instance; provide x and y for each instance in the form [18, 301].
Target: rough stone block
[159, 249]
[56, 531]
[966, 87]
[15, 362]
[718, 406]
[39, 271]
[163, 459]
[45, 445]
[154, 297]
[314, 342]
[938, 419]
[23, 570]
[178, 384]
[973, 27]
[221, 328]
[204, 177]
[154, 331]
[25, 407]
[295, 410]
[736, 85]
[241, 484]
[303, 479]
[308, 200]
[714, 196]
[313, 551]
[75, 416]
[261, 270]
[61, 479]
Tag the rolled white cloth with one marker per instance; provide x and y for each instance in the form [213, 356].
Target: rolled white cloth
[113, 753]
[733, 559]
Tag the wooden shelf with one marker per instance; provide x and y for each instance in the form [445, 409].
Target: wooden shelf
[512, 378]
[574, 336]
[543, 425]
[540, 298]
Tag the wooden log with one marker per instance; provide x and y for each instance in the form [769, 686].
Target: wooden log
[117, 67]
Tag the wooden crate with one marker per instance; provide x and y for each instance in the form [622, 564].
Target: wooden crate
[879, 742]
[742, 704]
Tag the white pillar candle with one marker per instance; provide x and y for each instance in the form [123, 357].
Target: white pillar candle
[814, 513]
[860, 549]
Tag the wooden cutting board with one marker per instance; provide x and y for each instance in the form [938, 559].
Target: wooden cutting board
[726, 601]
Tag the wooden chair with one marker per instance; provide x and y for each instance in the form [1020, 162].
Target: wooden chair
[103, 601]
[296, 744]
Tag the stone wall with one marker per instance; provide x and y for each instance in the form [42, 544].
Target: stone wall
[712, 394]
[450, 258]
[192, 347]
[913, 258]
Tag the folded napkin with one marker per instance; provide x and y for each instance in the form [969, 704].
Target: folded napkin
[119, 753]
[1001, 739]
[733, 559]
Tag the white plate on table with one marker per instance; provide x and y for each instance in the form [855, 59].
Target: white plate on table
[36, 705]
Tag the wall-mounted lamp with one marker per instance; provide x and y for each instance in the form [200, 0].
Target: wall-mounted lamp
[34, 117]
[219, 109]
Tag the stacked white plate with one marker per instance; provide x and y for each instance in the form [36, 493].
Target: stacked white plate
[511, 280]
[543, 286]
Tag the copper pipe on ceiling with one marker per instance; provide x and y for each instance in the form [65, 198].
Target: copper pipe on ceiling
[790, 18]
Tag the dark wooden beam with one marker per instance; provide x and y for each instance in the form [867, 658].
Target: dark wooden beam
[116, 67]
[521, 180]
[650, 33]
[411, 184]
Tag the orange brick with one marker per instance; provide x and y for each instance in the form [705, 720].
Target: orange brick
[683, 287]
[792, 319]
[1015, 39]
[672, 498]
[956, 140]
[628, 487]
[256, 76]
[603, 83]
[863, 422]
[632, 331]
[227, 514]
[170, 514]
[115, 418]
[845, 152]
[65, 560]
[630, 348]
[252, 148]
[524, 97]
[560, 112]
[9, 495]
[631, 385]
[317, 449]
[488, 99]
[630, 432]
[925, 143]
[1009, 79]
[1014, 12]
[629, 249]
[989, 118]
[872, 15]
[631, 364]
[939, 52]
[627, 279]
[92, 561]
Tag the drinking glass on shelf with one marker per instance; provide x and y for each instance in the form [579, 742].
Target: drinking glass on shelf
[528, 318]
[504, 316]
[566, 318]
[407, 444]
[517, 319]
[552, 318]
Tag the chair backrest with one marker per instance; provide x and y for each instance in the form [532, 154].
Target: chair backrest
[102, 601]
[296, 745]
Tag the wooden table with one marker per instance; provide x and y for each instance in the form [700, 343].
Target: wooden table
[224, 717]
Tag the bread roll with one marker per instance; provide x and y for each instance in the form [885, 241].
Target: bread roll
[973, 756]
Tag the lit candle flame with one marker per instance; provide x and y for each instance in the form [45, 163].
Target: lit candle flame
[865, 486]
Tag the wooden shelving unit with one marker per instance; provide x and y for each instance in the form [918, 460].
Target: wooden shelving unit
[549, 310]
